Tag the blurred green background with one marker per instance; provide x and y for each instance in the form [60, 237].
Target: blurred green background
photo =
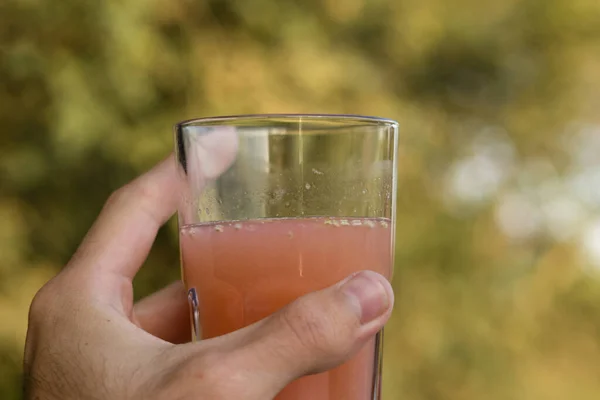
[498, 254]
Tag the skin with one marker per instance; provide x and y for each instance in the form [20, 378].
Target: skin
[88, 340]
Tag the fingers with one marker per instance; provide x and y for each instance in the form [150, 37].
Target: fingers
[119, 241]
[210, 151]
[164, 314]
[320, 330]
[122, 235]
[315, 333]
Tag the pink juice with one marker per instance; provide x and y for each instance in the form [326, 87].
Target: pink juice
[244, 271]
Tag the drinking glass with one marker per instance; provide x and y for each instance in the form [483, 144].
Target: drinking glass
[277, 206]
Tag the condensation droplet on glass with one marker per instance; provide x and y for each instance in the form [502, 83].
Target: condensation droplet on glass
[364, 191]
[287, 204]
[307, 186]
[317, 172]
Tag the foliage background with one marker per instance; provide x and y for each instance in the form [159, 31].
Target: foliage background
[497, 279]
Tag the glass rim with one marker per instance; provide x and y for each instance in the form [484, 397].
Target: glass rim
[344, 118]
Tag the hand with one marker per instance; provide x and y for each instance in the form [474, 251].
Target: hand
[87, 340]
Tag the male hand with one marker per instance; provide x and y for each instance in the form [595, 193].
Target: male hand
[88, 340]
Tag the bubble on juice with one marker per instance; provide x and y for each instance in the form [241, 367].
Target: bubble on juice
[290, 234]
[219, 228]
[344, 222]
[384, 224]
[356, 222]
[238, 226]
[370, 224]
[328, 222]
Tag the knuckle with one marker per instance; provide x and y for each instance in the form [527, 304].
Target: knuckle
[141, 189]
[139, 192]
[42, 302]
[116, 195]
[312, 326]
[121, 194]
[54, 302]
[212, 371]
[204, 367]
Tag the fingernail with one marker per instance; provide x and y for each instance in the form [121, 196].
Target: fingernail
[367, 291]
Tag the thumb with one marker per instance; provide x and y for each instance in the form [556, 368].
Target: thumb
[315, 333]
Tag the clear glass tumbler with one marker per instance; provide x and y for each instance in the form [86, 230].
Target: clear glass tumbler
[277, 206]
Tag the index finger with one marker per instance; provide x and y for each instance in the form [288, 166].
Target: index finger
[123, 234]
[121, 237]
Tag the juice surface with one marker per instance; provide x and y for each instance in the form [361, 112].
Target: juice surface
[244, 271]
